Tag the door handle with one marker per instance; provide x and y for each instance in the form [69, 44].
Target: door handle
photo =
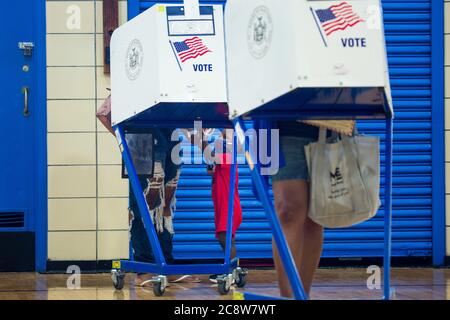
[26, 92]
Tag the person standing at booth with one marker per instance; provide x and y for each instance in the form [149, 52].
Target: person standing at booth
[221, 175]
[159, 192]
[291, 193]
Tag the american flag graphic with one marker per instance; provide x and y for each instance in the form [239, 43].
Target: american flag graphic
[337, 17]
[190, 49]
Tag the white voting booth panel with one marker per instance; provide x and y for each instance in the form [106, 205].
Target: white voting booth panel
[276, 47]
[168, 54]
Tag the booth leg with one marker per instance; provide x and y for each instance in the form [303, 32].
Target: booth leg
[388, 209]
[231, 205]
[138, 193]
[280, 240]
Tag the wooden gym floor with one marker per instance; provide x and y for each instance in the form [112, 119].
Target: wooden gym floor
[335, 283]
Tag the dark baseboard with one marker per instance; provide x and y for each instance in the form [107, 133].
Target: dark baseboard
[85, 266]
[17, 251]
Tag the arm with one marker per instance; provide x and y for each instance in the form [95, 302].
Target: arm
[104, 115]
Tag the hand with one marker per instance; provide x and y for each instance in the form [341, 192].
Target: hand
[208, 131]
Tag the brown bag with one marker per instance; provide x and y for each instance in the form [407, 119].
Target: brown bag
[104, 114]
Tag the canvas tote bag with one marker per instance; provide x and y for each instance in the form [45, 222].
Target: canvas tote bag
[345, 180]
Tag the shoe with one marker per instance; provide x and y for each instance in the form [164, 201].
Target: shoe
[213, 278]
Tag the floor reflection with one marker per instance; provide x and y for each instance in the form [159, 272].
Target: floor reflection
[350, 283]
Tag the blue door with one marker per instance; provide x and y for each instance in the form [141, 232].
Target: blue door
[19, 116]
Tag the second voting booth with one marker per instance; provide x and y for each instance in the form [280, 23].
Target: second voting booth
[295, 60]
[309, 60]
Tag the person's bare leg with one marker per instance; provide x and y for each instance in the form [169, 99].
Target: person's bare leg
[291, 204]
[312, 250]
[223, 241]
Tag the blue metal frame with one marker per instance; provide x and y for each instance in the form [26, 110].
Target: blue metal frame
[282, 245]
[229, 239]
[160, 266]
[438, 132]
[257, 297]
[388, 208]
[132, 8]
[280, 239]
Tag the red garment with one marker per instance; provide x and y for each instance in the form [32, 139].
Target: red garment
[220, 194]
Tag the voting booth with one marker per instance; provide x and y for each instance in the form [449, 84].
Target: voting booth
[168, 70]
[307, 57]
[169, 63]
[295, 60]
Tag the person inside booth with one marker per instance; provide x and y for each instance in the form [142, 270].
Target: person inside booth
[159, 192]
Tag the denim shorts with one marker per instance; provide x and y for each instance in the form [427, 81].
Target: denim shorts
[296, 167]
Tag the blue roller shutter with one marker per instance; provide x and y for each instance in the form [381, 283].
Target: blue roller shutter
[408, 35]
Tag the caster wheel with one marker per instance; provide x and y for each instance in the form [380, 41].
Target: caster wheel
[241, 280]
[240, 277]
[158, 289]
[118, 278]
[223, 286]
